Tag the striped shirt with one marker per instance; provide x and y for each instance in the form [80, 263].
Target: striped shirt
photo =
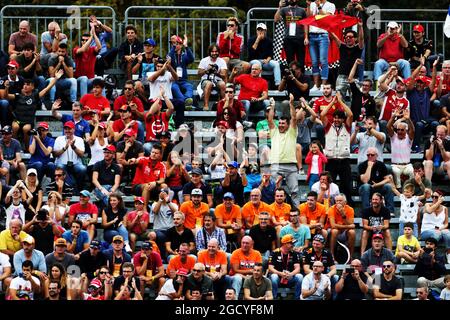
[401, 149]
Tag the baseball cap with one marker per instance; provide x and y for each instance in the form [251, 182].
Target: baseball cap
[43, 125]
[392, 24]
[377, 236]
[421, 78]
[28, 239]
[419, 28]
[222, 123]
[110, 148]
[61, 242]
[196, 192]
[150, 42]
[125, 107]
[13, 63]
[103, 125]
[228, 195]
[399, 79]
[139, 199]
[178, 39]
[146, 245]
[233, 164]
[261, 26]
[432, 240]
[85, 193]
[69, 124]
[129, 132]
[164, 134]
[7, 129]
[182, 272]
[289, 238]
[197, 171]
[117, 238]
[319, 237]
[31, 170]
[183, 126]
[95, 244]
[96, 283]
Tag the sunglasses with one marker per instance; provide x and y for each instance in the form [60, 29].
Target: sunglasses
[371, 154]
[103, 272]
[226, 113]
[229, 91]
[350, 37]
[58, 175]
[196, 270]
[387, 266]
[84, 40]
[435, 197]
[231, 25]
[263, 219]
[127, 88]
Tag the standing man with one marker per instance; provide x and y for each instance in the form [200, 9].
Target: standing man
[282, 155]
[230, 44]
[129, 50]
[61, 61]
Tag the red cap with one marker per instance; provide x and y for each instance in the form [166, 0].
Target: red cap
[418, 28]
[110, 148]
[139, 199]
[103, 125]
[178, 39]
[222, 123]
[130, 132]
[14, 64]
[43, 125]
[125, 107]
[422, 78]
[69, 124]
[377, 236]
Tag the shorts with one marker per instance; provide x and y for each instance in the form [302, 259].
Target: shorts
[215, 83]
[23, 123]
[142, 236]
[137, 191]
[235, 63]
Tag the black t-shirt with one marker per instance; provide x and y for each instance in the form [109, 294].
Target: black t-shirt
[23, 63]
[282, 261]
[417, 50]
[176, 239]
[25, 107]
[263, 238]
[14, 86]
[437, 151]
[120, 280]
[111, 216]
[351, 290]
[89, 263]
[54, 60]
[106, 174]
[237, 189]
[309, 256]
[205, 286]
[379, 171]
[363, 105]
[388, 287]
[43, 237]
[348, 57]
[292, 88]
[374, 218]
[206, 189]
[292, 15]
[133, 151]
[264, 49]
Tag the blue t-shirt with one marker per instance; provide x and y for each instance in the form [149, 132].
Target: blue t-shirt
[300, 236]
[83, 238]
[39, 155]
[254, 180]
[9, 153]
[103, 37]
[81, 127]
[419, 104]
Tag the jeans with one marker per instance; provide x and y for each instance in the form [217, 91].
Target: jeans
[161, 238]
[295, 281]
[140, 132]
[313, 178]
[100, 194]
[342, 84]
[382, 65]
[289, 172]
[83, 82]
[442, 235]
[271, 66]
[76, 175]
[422, 127]
[318, 50]
[366, 190]
[63, 84]
[235, 282]
[180, 86]
[39, 82]
[256, 106]
[148, 147]
[4, 113]
[108, 235]
[42, 169]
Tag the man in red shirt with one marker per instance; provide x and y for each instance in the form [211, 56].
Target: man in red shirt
[150, 175]
[125, 122]
[85, 58]
[149, 267]
[254, 89]
[391, 45]
[156, 122]
[86, 212]
[95, 102]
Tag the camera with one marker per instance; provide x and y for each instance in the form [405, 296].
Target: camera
[69, 164]
[33, 132]
[287, 72]
[214, 69]
[350, 270]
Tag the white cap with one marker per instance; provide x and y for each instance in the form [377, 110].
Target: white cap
[392, 24]
[31, 170]
[261, 25]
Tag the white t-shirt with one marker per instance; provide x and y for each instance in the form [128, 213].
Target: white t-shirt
[309, 283]
[164, 80]
[24, 290]
[205, 62]
[15, 212]
[232, 133]
[218, 172]
[333, 190]
[166, 289]
[4, 263]
[326, 7]
[315, 164]
[97, 152]
[69, 154]
[409, 208]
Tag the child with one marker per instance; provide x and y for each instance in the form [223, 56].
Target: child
[409, 205]
[408, 247]
[316, 160]
[445, 293]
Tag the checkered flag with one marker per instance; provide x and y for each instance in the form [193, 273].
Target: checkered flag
[278, 40]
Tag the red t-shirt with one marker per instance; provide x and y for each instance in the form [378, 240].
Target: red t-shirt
[121, 100]
[320, 104]
[146, 173]
[94, 103]
[445, 85]
[237, 108]
[85, 62]
[391, 50]
[137, 228]
[119, 125]
[251, 87]
[83, 213]
[391, 102]
[153, 262]
[156, 124]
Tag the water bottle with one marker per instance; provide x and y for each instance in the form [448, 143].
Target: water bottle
[437, 160]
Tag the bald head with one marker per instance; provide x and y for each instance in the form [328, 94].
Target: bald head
[199, 266]
[24, 27]
[213, 242]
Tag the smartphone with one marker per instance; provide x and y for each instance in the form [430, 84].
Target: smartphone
[350, 270]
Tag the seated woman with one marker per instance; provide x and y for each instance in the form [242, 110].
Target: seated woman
[113, 220]
[32, 184]
[56, 208]
[176, 174]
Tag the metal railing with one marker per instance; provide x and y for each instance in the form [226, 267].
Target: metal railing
[73, 20]
[200, 24]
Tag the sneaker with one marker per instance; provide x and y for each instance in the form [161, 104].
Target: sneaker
[392, 215]
[301, 172]
[43, 107]
[314, 89]
[188, 102]
[128, 248]
[247, 124]
[189, 108]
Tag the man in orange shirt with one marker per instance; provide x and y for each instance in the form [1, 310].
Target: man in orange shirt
[280, 210]
[242, 262]
[194, 210]
[182, 260]
[229, 218]
[341, 217]
[313, 214]
[215, 261]
[252, 209]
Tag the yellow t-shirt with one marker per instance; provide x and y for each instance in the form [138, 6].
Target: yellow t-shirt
[410, 245]
[283, 146]
[8, 243]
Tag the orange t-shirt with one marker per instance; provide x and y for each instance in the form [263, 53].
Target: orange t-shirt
[234, 214]
[175, 264]
[250, 213]
[246, 262]
[212, 263]
[192, 214]
[314, 216]
[281, 212]
[333, 212]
